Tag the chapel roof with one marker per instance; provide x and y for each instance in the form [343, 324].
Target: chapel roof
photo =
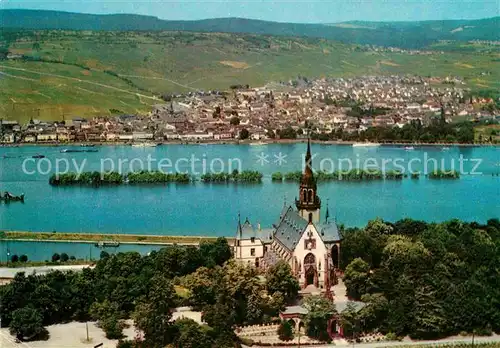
[290, 228]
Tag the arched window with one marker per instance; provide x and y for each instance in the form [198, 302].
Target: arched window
[335, 256]
[310, 198]
[310, 218]
[304, 195]
[310, 260]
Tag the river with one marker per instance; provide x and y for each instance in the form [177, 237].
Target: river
[212, 209]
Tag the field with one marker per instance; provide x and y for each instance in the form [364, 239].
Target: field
[84, 73]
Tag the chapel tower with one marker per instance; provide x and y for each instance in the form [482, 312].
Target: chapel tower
[308, 204]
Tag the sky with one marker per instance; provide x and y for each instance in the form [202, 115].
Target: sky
[297, 11]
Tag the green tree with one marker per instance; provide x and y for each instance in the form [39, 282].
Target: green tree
[374, 313]
[287, 133]
[26, 323]
[189, 334]
[23, 258]
[64, 257]
[56, 257]
[4, 51]
[215, 253]
[14, 258]
[154, 312]
[429, 316]
[285, 331]
[203, 286]
[319, 311]
[244, 134]
[279, 278]
[356, 278]
[235, 120]
[350, 320]
[112, 327]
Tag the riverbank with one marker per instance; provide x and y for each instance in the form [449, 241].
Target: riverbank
[246, 142]
[103, 237]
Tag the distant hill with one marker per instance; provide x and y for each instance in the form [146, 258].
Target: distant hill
[397, 34]
[56, 74]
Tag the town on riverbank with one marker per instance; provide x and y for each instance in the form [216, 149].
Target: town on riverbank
[390, 109]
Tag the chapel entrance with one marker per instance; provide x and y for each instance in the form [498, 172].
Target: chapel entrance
[310, 277]
[310, 269]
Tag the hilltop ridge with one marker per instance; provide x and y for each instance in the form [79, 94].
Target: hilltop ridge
[397, 34]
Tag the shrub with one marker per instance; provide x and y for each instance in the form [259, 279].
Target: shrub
[444, 174]
[285, 331]
[112, 326]
[277, 176]
[245, 341]
[14, 258]
[104, 255]
[64, 257]
[391, 336]
[293, 176]
[26, 323]
[394, 175]
[56, 257]
[23, 258]
[125, 344]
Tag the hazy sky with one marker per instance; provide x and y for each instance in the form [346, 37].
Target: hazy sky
[300, 11]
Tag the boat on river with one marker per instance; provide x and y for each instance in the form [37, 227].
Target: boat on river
[9, 197]
[78, 150]
[259, 143]
[103, 244]
[144, 145]
[409, 148]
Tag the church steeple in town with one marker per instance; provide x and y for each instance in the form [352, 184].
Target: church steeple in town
[308, 204]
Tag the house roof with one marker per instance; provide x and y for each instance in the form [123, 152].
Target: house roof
[329, 232]
[247, 231]
[290, 229]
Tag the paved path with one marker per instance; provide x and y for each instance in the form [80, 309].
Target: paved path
[7, 272]
[408, 342]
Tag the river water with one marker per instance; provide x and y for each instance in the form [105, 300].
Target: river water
[212, 209]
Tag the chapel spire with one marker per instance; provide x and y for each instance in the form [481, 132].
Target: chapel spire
[308, 203]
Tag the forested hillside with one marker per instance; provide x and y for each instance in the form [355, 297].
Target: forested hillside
[398, 34]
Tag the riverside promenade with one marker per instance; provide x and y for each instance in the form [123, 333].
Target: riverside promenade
[103, 237]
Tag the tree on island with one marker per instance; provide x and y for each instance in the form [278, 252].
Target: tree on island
[56, 257]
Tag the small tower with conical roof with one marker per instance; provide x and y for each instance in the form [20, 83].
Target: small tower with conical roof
[308, 204]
